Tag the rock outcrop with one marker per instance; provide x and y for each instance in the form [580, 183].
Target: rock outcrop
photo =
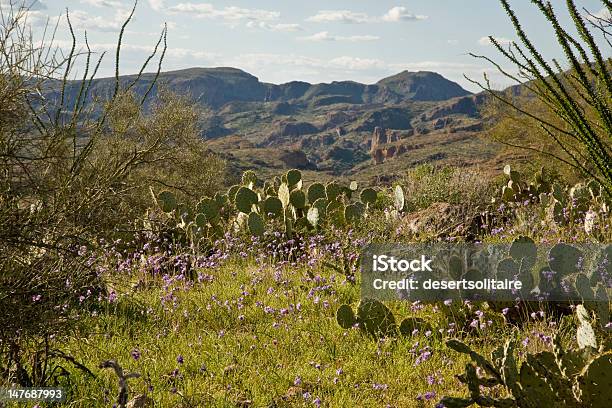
[297, 159]
[385, 145]
[288, 132]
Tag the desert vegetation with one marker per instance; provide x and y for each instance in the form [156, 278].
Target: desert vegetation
[138, 268]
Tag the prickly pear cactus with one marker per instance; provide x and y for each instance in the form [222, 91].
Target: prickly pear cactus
[399, 200]
[200, 220]
[563, 378]
[273, 207]
[332, 191]
[345, 317]
[375, 318]
[368, 196]
[595, 382]
[231, 192]
[315, 191]
[293, 177]
[321, 205]
[313, 216]
[297, 198]
[564, 259]
[167, 201]
[411, 324]
[249, 178]
[585, 335]
[284, 195]
[255, 224]
[245, 199]
[209, 207]
[353, 213]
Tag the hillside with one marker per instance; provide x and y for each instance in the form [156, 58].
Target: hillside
[339, 128]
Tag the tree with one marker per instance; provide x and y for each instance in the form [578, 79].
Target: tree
[73, 170]
[578, 100]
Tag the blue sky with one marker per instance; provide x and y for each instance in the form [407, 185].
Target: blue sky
[315, 41]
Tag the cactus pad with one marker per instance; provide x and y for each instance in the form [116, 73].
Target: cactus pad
[596, 382]
[245, 198]
[313, 216]
[399, 200]
[293, 177]
[274, 206]
[284, 195]
[208, 207]
[564, 258]
[345, 317]
[231, 192]
[297, 198]
[167, 201]
[410, 324]
[256, 224]
[315, 191]
[375, 318]
[332, 191]
[368, 196]
[200, 220]
[249, 178]
[353, 212]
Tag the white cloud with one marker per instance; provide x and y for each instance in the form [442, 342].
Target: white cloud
[394, 15]
[433, 66]
[343, 16]
[357, 64]
[274, 27]
[104, 3]
[501, 40]
[30, 10]
[452, 42]
[326, 36]
[30, 5]
[399, 13]
[172, 52]
[343, 63]
[231, 13]
[156, 5]
[88, 21]
[603, 14]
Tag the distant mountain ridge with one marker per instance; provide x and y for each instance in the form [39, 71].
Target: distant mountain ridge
[342, 127]
[215, 87]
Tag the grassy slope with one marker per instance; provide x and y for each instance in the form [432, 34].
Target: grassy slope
[229, 359]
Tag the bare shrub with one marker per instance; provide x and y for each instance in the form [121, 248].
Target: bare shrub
[73, 169]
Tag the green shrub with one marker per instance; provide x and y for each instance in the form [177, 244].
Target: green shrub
[427, 184]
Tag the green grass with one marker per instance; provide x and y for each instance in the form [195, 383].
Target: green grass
[234, 352]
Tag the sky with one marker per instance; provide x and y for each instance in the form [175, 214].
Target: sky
[314, 41]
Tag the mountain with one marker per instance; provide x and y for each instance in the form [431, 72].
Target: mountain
[422, 86]
[215, 87]
[342, 127]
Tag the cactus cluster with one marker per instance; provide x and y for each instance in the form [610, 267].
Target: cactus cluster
[571, 378]
[251, 207]
[286, 199]
[582, 202]
[203, 221]
[523, 254]
[376, 320]
[517, 189]
[399, 203]
[564, 261]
